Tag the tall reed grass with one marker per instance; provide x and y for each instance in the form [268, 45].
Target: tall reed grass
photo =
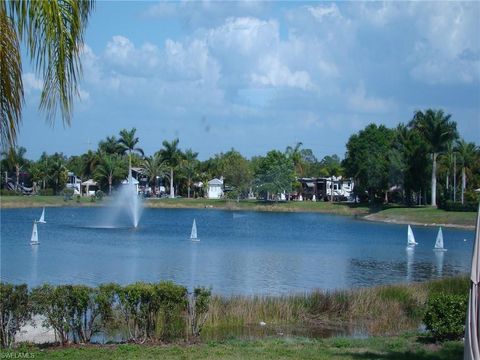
[381, 310]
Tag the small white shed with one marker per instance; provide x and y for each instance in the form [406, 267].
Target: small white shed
[215, 188]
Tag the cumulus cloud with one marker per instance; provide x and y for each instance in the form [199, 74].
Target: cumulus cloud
[277, 74]
[31, 83]
[359, 101]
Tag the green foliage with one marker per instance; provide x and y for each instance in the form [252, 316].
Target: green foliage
[15, 311]
[68, 193]
[458, 206]
[274, 173]
[367, 160]
[6, 192]
[198, 306]
[149, 309]
[46, 192]
[99, 194]
[445, 316]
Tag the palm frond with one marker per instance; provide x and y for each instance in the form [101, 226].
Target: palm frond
[11, 86]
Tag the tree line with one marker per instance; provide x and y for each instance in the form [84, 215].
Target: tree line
[422, 162]
[175, 168]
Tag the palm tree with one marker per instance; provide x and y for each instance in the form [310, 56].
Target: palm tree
[437, 130]
[154, 167]
[189, 165]
[53, 35]
[109, 168]
[172, 155]
[58, 173]
[110, 146]
[16, 160]
[295, 154]
[90, 161]
[467, 153]
[128, 142]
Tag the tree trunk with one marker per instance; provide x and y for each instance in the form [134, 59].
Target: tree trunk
[454, 178]
[386, 197]
[109, 186]
[434, 180]
[464, 183]
[17, 173]
[446, 183]
[188, 189]
[172, 194]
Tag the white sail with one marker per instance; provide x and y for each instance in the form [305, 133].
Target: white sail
[42, 217]
[34, 239]
[439, 242]
[193, 235]
[411, 237]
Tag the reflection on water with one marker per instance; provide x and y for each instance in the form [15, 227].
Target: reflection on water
[239, 253]
[439, 256]
[410, 255]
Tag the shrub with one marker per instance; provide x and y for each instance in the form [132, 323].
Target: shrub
[198, 304]
[99, 195]
[45, 192]
[14, 311]
[458, 206]
[445, 316]
[7, 192]
[67, 193]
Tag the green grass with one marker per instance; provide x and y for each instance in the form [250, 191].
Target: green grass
[19, 201]
[397, 214]
[425, 215]
[380, 310]
[408, 346]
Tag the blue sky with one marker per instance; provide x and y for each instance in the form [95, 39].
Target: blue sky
[258, 76]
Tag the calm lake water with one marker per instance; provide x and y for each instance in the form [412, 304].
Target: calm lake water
[239, 252]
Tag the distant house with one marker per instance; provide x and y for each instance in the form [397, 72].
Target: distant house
[134, 181]
[322, 187]
[90, 187]
[74, 182]
[215, 188]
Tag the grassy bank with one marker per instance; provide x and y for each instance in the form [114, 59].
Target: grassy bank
[393, 214]
[381, 310]
[424, 215]
[405, 347]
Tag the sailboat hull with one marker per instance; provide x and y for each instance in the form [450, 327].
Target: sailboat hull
[439, 249]
[34, 243]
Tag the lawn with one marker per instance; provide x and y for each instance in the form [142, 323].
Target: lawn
[408, 346]
[424, 215]
[404, 215]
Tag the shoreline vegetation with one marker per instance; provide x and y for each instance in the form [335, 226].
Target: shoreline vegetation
[377, 322]
[422, 215]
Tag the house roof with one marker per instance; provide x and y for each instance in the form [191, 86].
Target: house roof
[134, 181]
[89, 182]
[215, 181]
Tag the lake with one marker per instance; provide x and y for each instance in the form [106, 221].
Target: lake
[238, 252]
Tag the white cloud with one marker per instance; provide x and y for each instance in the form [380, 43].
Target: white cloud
[31, 83]
[321, 12]
[359, 101]
[277, 74]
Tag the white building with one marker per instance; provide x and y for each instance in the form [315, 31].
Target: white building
[215, 188]
[342, 188]
[74, 182]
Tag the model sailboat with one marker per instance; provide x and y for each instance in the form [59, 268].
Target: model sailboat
[439, 242]
[193, 235]
[42, 217]
[34, 238]
[411, 238]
